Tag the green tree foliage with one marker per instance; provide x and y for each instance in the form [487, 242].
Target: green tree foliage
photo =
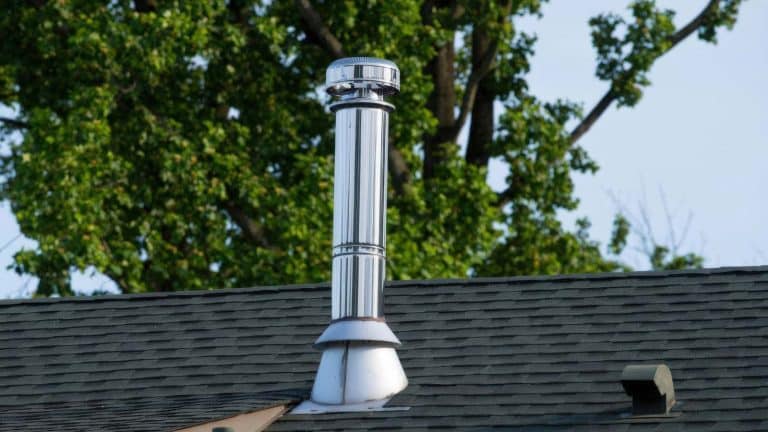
[187, 145]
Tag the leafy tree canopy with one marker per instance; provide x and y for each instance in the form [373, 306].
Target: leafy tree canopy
[187, 145]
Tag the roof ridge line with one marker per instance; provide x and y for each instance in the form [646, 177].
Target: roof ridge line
[645, 274]
[275, 396]
[165, 295]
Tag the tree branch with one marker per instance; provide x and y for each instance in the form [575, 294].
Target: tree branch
[251, 230]
[694, 25]
[121, 283]
[470, 91]
[457, 11]
[322, 35]
[592, 117]
[316, 29]
[504, 197]
[143, 6]
[480, 69]
[482, 118]
[14, 123]
[398, 169]
[610, 95]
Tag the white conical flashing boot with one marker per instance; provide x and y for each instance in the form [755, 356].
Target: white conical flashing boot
[358, 376]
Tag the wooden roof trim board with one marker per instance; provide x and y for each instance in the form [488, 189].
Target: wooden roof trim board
[254, 421]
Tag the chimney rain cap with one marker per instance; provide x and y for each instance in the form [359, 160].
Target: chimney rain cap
[347, 74]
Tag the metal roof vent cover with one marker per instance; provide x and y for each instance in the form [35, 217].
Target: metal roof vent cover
[359, 368]
[651, 388]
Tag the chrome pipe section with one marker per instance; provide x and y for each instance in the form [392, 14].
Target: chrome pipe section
[359, 368]
[360, 205]
[360, 184]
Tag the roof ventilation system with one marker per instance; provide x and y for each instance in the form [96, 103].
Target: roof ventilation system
[359, 368]
[651, 389]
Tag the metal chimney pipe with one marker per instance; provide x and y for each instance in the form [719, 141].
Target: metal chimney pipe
[360, 184]
[359, 368]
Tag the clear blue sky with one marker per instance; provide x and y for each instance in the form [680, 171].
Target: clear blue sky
[700, 134]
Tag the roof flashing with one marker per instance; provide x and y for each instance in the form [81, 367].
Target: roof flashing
[309, 407]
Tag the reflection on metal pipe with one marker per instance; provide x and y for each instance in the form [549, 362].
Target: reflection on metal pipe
[359, 217]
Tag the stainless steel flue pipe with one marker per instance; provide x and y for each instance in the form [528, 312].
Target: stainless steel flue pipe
[360, 184]
[359, 368]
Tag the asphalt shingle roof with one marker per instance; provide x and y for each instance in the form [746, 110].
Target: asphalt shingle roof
[541, 353]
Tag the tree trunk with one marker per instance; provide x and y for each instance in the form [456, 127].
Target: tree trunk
[481, 128]
[441, 102]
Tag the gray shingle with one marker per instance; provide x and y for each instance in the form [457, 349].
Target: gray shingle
[540, 353]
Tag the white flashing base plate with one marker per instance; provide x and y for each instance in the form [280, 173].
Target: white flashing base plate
[309, 407]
